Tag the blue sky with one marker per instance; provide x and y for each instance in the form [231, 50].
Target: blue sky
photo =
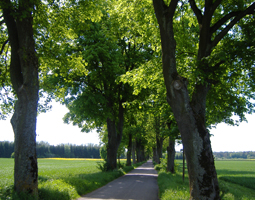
[50, 128]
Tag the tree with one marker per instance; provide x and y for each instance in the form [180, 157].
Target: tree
[24, 78]
[85, 78]
[212, 72]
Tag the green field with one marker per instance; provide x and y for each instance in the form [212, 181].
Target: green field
[60, 179]
[236, 179]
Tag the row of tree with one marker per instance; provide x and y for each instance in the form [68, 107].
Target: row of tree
[226, 155]
[6, 149]
[45, 150]
[235, 155]
[103, 59]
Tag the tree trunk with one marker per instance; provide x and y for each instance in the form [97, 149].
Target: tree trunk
[171, 155]
[114, 138]
[138, 151]
[113, 145]
[133, 152]
[129, 152]
[155, 154]
[190, 116]
[159, 140]
[24, 78]
[143, 158]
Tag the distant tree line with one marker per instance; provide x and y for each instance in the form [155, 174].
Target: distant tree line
[226, 155]
[235, 155]
[6, 149]
[45, 150]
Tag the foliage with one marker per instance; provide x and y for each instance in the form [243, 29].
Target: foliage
[103, 152]
[13, 155]
[89, 59]
[121, 167]
[102, 166]
[163, 165]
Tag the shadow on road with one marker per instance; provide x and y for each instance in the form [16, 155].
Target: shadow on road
[139, 184]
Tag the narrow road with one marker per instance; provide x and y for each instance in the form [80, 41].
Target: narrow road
[139, 184]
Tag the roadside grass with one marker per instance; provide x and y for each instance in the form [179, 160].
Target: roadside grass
[63, 179]
[172, 186]
[236, 180]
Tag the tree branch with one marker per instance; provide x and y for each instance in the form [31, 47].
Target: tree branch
[172, 7]
[223, 20]
[2, 22]
[2, 49]
[249, 10]
[197, 12]
[159, 6]
[215, 5]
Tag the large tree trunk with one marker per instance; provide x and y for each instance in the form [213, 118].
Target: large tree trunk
[113, 145]
[114, 138]
[171, 155]
[24, 78]
[129, 152]
[190, 116]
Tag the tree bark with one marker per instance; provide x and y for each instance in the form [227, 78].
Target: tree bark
[114, 138]
[159, 141]
[159, 138]
[190, 116]
[133, 152]
[113, 145]
[155, 154]
[138, 150]
[129, 152]
[171, 155]
[24, 78]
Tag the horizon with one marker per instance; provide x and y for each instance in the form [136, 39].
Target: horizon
[51, 129]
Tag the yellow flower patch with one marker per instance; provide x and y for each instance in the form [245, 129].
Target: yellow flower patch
[73, 159]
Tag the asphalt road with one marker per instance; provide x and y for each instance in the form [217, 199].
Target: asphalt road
[139, 184]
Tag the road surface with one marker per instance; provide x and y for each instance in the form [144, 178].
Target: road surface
[139, 184]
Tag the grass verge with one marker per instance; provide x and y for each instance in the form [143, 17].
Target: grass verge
[236, 180]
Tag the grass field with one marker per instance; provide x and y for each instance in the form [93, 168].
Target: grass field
[236, 179]
[63, 179]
